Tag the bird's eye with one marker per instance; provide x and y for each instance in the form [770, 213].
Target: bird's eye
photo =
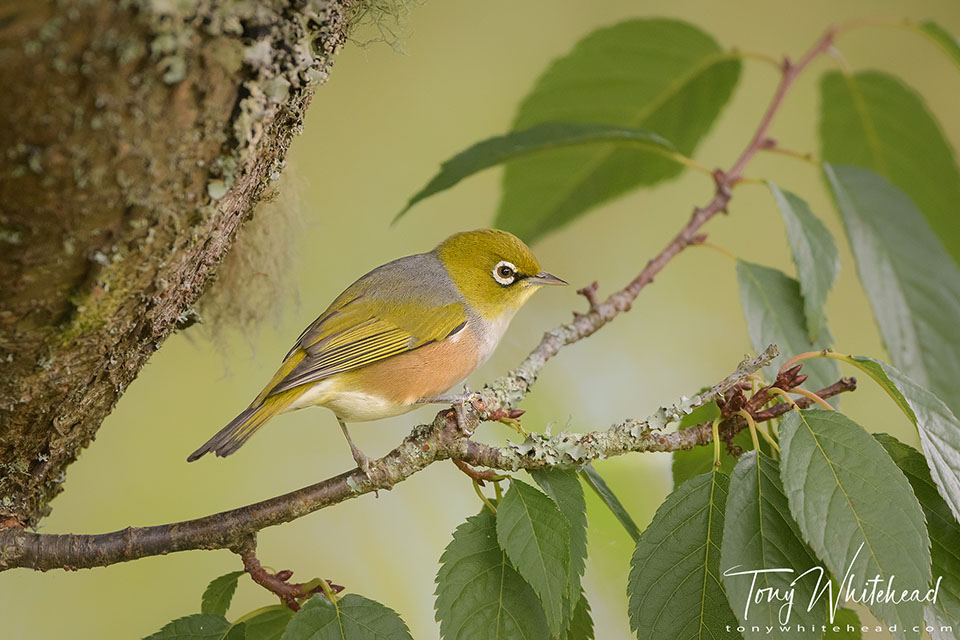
[505, 273]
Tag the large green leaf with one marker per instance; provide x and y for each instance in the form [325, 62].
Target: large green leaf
[675, 589]
[855, 509]
[872, 120]
[814, 253]
[218, 594]
[942, 38]
[542, 137]
[199, 626]
[913, 285]
[479, 594]
[938, 427]
[563, 486]
[759, 535]
[536, 538]
[596, 482]
[662, 75]
[773, 307]
[352, 617]
[944, 534]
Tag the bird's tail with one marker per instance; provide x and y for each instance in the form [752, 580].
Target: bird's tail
[239, 430]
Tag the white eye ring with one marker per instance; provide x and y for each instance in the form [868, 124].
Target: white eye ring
[505, 272]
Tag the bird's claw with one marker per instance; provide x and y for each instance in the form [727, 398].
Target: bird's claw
[363, 462]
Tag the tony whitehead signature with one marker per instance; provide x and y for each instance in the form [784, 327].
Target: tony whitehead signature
[874, 590]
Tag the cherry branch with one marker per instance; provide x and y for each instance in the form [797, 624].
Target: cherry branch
[509, 390]
[445, 437]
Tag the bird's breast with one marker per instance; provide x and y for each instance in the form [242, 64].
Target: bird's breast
[395, 385]
[488, 334]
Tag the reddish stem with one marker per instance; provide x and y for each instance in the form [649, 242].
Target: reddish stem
[276, 583]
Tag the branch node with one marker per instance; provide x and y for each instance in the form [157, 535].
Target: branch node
[590, 293]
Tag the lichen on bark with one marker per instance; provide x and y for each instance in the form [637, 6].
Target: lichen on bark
[135, 139]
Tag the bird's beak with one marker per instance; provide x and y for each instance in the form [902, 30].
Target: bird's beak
[544, 278]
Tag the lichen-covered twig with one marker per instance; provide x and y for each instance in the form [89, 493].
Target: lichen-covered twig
[440, 440]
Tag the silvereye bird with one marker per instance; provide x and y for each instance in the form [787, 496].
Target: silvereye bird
[400, 336]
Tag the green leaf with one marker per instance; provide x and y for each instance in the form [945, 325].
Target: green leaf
[218, 594]
[913, 285]
[352, 617]
[849, 625]
[942, 527]
[581, 625]
[773, 308]
[542, 137]
[536, 538]
[199, 626]
[479, 594]
[662, 75]
[674, 589]
[942, 38]
[873, 120]
[268, 624]
[563, 486]
[814, 253]
[939, 429]
[760, 535]
[609, 498]
[855, 508]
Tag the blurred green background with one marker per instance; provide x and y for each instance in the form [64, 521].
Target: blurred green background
[373, 136]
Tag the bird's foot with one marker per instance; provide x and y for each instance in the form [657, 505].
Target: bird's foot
[363, 462]
[460, 402]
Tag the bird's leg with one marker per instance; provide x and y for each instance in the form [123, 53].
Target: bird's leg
[363, 463]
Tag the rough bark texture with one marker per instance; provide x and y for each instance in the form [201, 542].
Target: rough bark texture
[135, 137]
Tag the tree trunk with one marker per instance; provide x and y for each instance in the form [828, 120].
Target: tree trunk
[135, 138]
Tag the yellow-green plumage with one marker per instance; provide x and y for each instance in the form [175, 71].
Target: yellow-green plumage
[404, 332]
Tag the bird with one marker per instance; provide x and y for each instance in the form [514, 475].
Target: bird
[399, 337]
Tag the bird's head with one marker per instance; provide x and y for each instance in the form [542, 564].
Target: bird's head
[494, 270]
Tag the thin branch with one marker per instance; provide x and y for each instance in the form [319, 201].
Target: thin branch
[479, 477]
[445, 437]
[289, 593]
[439, 440]
[509, 390]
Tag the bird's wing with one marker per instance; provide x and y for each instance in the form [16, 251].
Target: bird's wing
[361, 331]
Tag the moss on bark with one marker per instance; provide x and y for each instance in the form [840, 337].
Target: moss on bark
[135, 138]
